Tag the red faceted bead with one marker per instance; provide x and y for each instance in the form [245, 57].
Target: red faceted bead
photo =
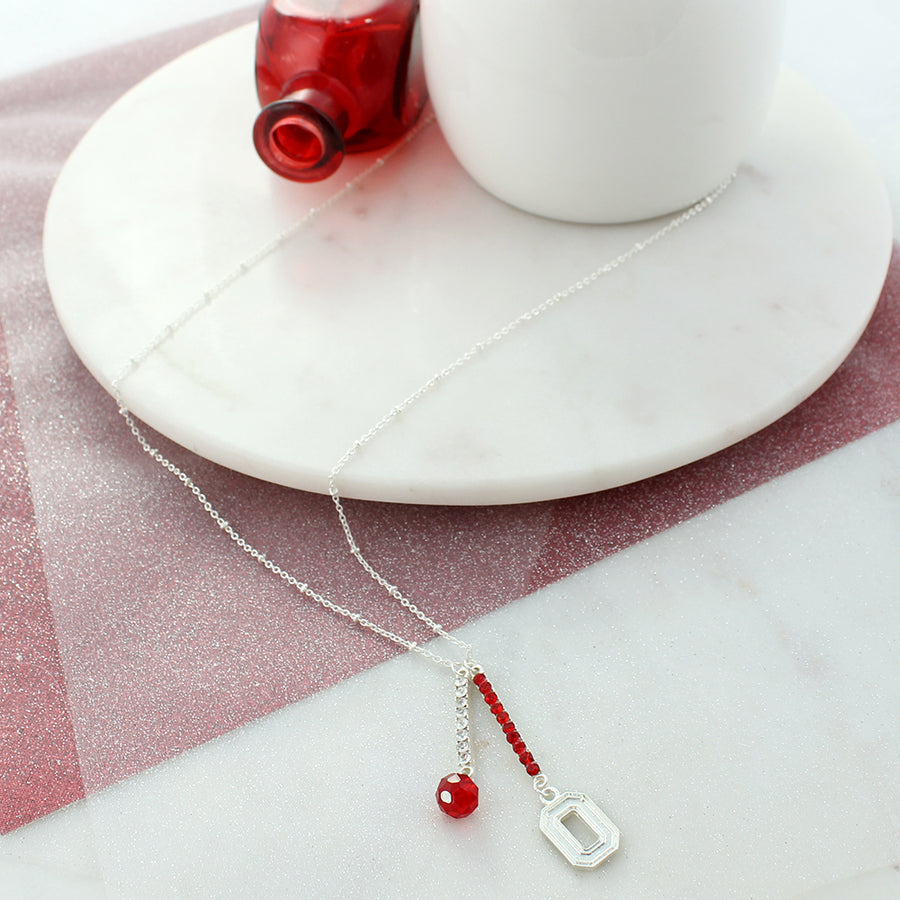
[533, 768]
[490, 698]
[479, 678]
[502, 716]
[485, 686]
[513, 737]
[496, 708]
[525, 757]
[508, 727]
[519, 748]
[457, 795]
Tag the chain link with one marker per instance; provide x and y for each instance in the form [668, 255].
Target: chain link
[547, 793]
[476, 349]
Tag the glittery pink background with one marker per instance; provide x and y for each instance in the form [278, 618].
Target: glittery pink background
[130, 631]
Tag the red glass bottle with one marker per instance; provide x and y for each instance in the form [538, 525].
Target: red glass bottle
[334, 77]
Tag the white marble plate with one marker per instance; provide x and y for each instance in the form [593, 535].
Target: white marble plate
[705, 338]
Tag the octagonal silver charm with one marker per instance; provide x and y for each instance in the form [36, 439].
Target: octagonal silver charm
[594, 839]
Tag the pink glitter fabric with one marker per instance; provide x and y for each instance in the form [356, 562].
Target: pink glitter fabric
[116, 651]
[37, 743]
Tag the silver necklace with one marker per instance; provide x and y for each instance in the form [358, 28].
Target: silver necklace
[457, 793]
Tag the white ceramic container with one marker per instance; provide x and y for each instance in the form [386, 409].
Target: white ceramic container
[601, 110]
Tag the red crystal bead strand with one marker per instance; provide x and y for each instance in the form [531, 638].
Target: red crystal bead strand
[509, 728]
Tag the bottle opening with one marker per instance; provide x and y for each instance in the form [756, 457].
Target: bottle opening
[298, 141]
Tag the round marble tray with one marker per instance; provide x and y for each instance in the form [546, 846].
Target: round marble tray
[706, 337]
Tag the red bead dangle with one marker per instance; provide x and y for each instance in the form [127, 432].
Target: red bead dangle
[457, 795]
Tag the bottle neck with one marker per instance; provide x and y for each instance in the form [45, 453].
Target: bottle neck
[301, 136]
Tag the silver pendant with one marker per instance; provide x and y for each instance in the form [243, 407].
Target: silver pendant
[579, 829]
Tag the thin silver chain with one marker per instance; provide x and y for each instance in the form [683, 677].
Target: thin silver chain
[475, 350]
[251, 262]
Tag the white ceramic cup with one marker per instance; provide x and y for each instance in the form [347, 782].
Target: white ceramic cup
[601, 110]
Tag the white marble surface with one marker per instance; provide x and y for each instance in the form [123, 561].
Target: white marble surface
[796, 582]
[709, 335]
